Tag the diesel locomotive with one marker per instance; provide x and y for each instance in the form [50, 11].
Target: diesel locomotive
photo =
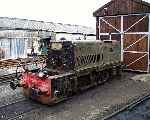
[70, 67]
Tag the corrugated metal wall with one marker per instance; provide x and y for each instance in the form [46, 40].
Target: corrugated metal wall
[17, 36]
[15, 43]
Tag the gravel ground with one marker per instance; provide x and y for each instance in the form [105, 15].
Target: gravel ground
[94, 103]
[8, 95]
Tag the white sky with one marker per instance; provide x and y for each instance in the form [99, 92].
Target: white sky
[58, 11]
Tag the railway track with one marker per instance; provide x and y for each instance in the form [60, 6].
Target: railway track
[13, 63]
[7, 78]
[20, 116]
[127, 108]
[9, 63]
[17, 109]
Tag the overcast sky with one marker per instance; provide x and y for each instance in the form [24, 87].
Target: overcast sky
[59, 11]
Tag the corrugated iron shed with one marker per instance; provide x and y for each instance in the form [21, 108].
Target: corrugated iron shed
[33, 25]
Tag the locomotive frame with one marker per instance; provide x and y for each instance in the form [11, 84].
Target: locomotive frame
[72, 67]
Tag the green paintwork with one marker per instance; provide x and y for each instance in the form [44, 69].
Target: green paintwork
[93, 54]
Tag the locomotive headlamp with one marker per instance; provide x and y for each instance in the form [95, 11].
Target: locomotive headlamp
[41, 74]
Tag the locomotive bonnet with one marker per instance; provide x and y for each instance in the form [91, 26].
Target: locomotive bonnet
[71, 67]
[76, 55]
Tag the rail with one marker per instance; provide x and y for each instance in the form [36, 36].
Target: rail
[9, 63]
[128, 107]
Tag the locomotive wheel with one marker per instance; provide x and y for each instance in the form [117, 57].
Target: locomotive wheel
[94, 78]
[105, 76]
[110, 72]
[99, 77]
[69, 93]
[118, 71]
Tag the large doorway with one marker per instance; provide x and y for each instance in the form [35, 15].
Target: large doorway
[133, 32]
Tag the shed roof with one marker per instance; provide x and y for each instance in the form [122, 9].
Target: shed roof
[141, 2]
[7, 23]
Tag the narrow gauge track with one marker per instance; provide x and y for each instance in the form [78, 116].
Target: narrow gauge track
[7, 78]
[13, 63]
[9, 63]
[128, 108]
[17, 109]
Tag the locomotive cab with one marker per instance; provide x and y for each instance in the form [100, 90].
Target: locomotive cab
[61, 56]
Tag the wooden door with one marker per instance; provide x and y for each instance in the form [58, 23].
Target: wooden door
[135, 52]
[133, 32]
[135, 42]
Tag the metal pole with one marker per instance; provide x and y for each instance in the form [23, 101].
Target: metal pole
[148, 40]
[122, 34]
[100, 28]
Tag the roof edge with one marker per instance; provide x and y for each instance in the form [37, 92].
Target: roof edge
[107, 4]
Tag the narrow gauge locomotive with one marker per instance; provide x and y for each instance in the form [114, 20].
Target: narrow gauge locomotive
[71, 66]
